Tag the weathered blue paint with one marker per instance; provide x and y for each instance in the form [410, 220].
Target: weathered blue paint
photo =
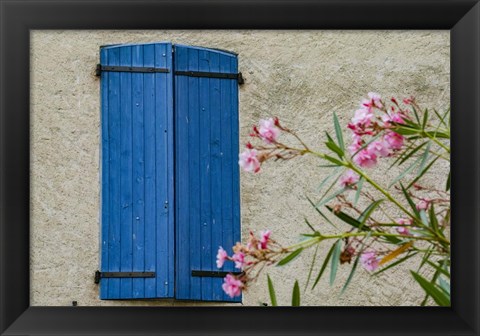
[205, 162]
[137, 172]
[170, 181]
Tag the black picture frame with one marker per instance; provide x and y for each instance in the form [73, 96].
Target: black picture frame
[18, 17]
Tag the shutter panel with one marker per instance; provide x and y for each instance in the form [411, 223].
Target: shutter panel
[207, 174]
[137, 171]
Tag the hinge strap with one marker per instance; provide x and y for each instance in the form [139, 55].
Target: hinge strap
[115, 68]
[214, 274]
[99, 275]
[221, 75]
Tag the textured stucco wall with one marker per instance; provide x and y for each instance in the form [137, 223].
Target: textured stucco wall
[299, 76]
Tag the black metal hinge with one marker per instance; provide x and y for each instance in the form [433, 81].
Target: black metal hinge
[213, 274]
[221, 75]
[99, 275]
[100, 68]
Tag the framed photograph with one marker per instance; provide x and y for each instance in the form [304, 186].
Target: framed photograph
[180, 168]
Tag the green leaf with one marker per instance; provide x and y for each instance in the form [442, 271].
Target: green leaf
[405, 172]
[433, 219]
[271, 290]
[425, 119]
[333, 160]
[416, 114]
[321, 213]
[367, 212]
[312, 266]
[348, 219]
[324, 265]
[431, 289]
[405, 157]
[330, 197]
[447, 187]
[335, 261]
[333, 147]
[410, 201]
[424, 157]
[296, 295]
[290, 257]
[338, 132]
[439, 268]
[350, 276]
[444, 285]
[419, 176]
[359, 190]
[309, 225]
[328, 177]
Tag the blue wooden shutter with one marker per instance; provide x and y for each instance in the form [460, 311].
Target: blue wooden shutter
[137, 171]
[207, 175]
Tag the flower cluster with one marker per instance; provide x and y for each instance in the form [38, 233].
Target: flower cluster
[372, 135]
[258, 250]
[268, 131]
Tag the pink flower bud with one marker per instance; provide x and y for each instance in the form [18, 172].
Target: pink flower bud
[265, 237]
[422, 205]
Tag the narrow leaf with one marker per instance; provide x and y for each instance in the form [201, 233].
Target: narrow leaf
[392, 255]
[437, 295]
[312, 265]
[359, 190]
[334, 148]
[296, 295]
[419, 176]
[447, 187]
[405, 172]
[309, 225]
[338, 132]
[321, 213]
[290, 257]
[347, 219]
[368, 212]
[399, 261]
[350, 276]
[271, 290]
[324, 265]
[335, 261]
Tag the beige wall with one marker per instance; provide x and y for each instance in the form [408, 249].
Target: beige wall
[299, 76]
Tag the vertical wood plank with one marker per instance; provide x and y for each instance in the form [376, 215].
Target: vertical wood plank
[216, 170]
[182, 285]
[194, 173]
[114, 181]
[163, 169]
[207, 257]
[105, 159]
[151, 196]
[126, 183]
[138, 234]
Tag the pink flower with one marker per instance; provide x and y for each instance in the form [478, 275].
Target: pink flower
[395, 140]
[232, 286]
[221, 257]
[365, 158]
[268, 131]
[363, 117]
[373, 101]
[369, 260]
[422, 205]
[403, 230]
[248, 160]
[349, 178]
[396, 117]
[356, 145]
[380, 148]
[239, 259]
[265, 237]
